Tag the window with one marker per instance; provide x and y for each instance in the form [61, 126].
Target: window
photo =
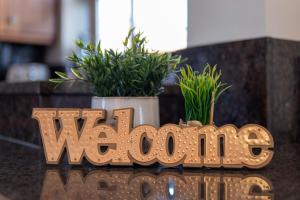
[163, 22]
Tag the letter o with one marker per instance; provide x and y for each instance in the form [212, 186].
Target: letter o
[179, 142]
[135, 147]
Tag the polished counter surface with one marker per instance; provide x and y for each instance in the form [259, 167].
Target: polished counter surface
[24, 175]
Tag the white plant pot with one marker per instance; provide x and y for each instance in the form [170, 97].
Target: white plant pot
[146, 109]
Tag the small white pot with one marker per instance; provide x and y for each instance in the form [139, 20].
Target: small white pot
[146, 109]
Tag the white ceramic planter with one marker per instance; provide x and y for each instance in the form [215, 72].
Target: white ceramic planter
[146, 109]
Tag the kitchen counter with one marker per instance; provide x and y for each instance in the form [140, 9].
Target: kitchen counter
[24, 175]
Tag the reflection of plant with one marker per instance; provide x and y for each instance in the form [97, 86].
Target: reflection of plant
[133, 72]
[200, 92]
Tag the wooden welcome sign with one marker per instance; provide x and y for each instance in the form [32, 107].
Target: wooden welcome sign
[192, 146]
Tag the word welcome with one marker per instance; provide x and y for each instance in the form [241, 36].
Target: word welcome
[129, 185]
[102, 144]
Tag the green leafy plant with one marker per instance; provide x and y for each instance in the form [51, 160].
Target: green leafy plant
[135, 71]
[201, 91]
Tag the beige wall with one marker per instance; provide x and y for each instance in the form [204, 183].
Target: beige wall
[283, 19]
[216, 21]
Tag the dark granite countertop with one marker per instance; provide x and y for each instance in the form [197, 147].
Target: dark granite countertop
[24, 175]
[44, 87]
[68, 88]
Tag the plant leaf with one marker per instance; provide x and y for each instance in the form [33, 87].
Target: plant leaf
[62, 75]
[56, 80]
[76, 73]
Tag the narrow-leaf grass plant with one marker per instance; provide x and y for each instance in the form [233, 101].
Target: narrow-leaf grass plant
[135, 71]
[201, 91]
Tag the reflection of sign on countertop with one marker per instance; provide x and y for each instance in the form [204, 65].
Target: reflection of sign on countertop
[101, 144]
[100, 184]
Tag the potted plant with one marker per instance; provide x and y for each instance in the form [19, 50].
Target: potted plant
[200, 91]
[129, 78]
